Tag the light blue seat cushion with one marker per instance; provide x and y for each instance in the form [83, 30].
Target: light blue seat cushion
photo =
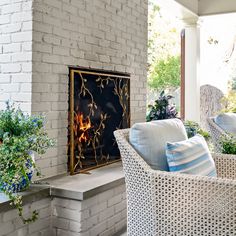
[191, 156]
[227, 121]
[149, 140]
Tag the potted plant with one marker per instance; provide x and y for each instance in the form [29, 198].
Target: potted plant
[228, 144]
[193, 128]
[162, 109]
[21, 135]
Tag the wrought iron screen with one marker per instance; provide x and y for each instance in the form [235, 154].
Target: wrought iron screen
[99, 103]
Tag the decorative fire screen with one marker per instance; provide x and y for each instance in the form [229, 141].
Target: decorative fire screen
[99, 103]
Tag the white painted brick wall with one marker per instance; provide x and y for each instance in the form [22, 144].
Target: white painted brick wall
[15, 53]
[38, 41]
[101, 215]
[11, 224]
[109, 35]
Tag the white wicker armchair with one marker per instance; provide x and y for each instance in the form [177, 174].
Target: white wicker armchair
[169, 204]
[216, 133]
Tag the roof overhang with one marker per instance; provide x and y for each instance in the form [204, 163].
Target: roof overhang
[185, 13]
[191, 10]
[208, 7]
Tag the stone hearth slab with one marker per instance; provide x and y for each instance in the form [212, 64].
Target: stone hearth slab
[83, 186]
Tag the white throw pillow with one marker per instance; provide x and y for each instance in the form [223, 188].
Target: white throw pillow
[149, 140]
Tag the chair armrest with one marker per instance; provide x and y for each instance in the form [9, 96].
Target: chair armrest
[186, 204]
[225, 165]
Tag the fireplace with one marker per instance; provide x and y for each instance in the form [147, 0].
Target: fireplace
[99, 103]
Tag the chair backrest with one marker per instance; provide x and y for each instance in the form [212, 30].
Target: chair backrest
[227, 121]
[216, 133]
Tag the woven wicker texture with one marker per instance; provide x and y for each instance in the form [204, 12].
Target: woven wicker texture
[216, 133]
[171, 204]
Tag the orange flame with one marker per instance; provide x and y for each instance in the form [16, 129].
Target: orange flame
[84, 126]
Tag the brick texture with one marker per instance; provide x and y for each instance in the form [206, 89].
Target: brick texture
[16, 52]
[11, 224]
[109, 35]
[103, 215]
[38, 41]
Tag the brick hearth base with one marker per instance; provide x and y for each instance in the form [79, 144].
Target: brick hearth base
[80, 205]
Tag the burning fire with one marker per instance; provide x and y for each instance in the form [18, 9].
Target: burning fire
[82, 126]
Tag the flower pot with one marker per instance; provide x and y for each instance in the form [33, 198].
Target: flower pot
[191, 131]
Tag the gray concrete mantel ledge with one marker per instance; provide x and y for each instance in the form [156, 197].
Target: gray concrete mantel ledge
[83, 186]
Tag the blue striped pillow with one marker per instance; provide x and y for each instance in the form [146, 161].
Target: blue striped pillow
[190, 156]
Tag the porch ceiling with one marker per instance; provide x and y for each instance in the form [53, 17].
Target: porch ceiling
[208, 7]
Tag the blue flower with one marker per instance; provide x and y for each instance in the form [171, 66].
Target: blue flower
[35, 122]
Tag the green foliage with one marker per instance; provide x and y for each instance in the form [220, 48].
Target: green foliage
[233, 84]
[163, 34]
[162, 109]
[193, 128]
[154, 12]
[20, 135]
[228, 144]
[212, 41]
[165, 74]
[229, 102]
[163, 49]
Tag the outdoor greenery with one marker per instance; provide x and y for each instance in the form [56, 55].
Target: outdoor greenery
[233, 84]
[228, 144]
[163, 50]
[162, 109]
[229, 102]
[194, 128]
[165, 74]
[20, 136]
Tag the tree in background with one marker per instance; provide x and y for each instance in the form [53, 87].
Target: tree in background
[163, 50]
[228, 102]
[233, 84]
[165, 74]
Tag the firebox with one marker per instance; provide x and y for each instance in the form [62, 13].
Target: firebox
[99, 103]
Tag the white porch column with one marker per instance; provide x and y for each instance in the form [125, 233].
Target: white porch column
[192, 80]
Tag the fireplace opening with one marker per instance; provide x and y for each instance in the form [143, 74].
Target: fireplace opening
[99, 103]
